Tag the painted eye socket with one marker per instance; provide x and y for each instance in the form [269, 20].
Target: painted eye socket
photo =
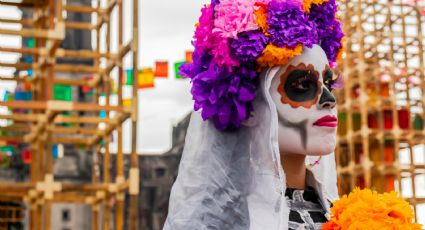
[301, 85]
[328, 79]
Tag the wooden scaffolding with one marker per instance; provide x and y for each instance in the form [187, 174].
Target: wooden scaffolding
[40, 121]
[381, 107]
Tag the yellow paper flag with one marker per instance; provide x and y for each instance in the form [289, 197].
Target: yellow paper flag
[146, 78]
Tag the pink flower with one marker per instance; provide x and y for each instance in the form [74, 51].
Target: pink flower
[203, 33]
[233, 17]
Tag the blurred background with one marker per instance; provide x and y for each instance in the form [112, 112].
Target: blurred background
[93, 113]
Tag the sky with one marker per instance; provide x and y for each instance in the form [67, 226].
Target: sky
[166, 30]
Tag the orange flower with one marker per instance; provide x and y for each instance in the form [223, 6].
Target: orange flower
[341, 50]
[366, 209]
[307, 4]
[261, 18]
[274, 56]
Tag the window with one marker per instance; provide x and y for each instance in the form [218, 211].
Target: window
[160, 172]
[66, 215]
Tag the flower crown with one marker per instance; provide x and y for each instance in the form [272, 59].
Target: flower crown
[236, 39]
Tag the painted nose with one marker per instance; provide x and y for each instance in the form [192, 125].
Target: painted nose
[327, 100]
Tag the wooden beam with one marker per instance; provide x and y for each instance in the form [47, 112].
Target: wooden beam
[82, 9]
[24, 21]
[19, 65]
[77, 68]
[86, 119]
[83, 54]
[23, 50]
[79, 26]
[36, 33]
[22, 117]
[59, 106]
[72, 130]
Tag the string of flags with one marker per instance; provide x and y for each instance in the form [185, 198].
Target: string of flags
[146, 76]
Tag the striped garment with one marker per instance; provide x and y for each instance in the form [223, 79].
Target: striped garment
[306, 212]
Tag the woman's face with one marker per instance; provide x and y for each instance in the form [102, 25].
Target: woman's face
[305, 105]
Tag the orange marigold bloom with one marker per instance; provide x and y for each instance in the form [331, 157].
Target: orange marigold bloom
[307, 4]
[261, 18]
[274, 56]
[366, 209]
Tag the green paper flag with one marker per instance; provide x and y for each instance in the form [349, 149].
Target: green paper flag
[176, 69]
[129, 77]
[31, 43]
[4, 161]
[8, 149]
[418, 123]
[62, 92]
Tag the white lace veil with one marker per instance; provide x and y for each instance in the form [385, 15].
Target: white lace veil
[234, 180]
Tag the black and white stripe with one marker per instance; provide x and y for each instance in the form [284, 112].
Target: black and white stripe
[306, 212]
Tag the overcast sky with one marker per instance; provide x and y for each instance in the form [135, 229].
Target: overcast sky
[166, 32]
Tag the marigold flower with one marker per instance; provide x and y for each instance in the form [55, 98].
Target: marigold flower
[307, 4]
[274, 56]
[366, 209]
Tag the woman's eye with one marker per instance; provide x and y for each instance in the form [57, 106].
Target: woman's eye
[328, 79]
[301, 84]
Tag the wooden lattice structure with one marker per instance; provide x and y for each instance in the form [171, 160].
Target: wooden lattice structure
[40, 122]
[381, 107]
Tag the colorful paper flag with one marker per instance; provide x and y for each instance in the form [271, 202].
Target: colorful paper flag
[22, 96]
[161, 69]
[31, 43]
[189, 55]
[27, 86]
[62, 92]
[146, 78]
[176, 69]
[57, 151]
[128, 80]
[102, 114]
[6, 95]
[126, 102]
[26, 156]
[4, 160]
[28, 59]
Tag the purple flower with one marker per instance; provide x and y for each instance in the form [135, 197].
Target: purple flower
[328, 28]
[289, 25]
[224, 96]
[249, 45]
[323, 16]
[215, 2]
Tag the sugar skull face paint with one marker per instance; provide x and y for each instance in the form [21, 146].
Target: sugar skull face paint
[305, 105]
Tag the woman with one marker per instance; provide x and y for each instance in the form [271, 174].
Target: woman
[261, 76]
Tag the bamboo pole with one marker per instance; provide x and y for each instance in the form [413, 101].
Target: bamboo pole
[134, 195]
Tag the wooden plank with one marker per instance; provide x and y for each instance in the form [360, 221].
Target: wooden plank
[41, 105]
[82, 9]
[24, 21]
[23, 50]
[77, 68]
[79, 25]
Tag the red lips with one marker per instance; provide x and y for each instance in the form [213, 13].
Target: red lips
[327, 121]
